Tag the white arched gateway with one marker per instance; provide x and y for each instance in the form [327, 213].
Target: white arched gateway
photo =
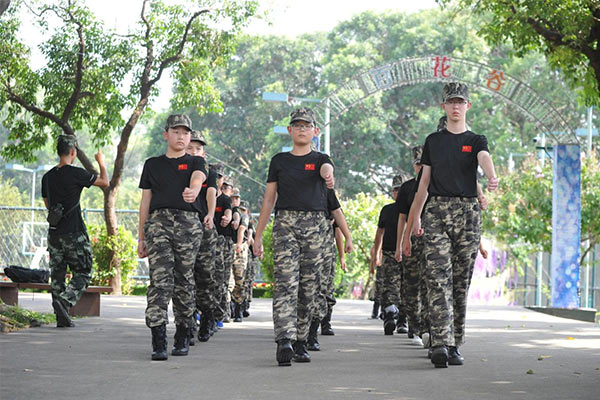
[566, 209]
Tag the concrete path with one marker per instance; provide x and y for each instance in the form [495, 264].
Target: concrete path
[109, 358]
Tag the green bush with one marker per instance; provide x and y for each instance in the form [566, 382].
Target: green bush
[124, 246]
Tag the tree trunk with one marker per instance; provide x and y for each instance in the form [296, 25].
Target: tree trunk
[110, 218]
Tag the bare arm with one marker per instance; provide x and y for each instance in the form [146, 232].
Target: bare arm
[102, 180]
[340, 220]
[144, 211]
[399, 235]
[240, 238]
[339, 244]
[196, 180]
[265, 214]
[376, 249]
[326, 172]
[485, 161]
[211, 201]
[413, 224]
[226, 218]
[45, 201]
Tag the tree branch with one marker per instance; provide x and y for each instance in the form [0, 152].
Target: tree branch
[12, 96]
[168, 61]
[78, 70]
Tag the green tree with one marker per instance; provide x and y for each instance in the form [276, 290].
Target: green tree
[10, 194]
[79, 91]
[567, 32]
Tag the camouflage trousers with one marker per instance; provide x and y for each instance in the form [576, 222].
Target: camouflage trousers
[377, 292]
[452, 228]
[251, 268]
[204, 272]
[324, 299]
[173, 238]
[227, 281]
[219, 290]
[72, 250]
[240, 261]
[391, 279]
[415, 293]
[298, 238]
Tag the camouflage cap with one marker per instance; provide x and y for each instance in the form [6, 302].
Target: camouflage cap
[236, 193]
[396, 182]
[197, 136]
[416, 152]
[69, 140]
[455, 90]
[244, 205]
[178, 120]
[303, 114]
[219, 168]
[442, 123]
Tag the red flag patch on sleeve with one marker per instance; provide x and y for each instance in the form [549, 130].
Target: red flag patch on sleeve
[182, 167]
[218, 209]
[309, 167]
[466, 149]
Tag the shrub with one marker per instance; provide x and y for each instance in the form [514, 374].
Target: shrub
[124, 246]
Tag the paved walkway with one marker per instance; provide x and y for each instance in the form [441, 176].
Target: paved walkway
[109, 358]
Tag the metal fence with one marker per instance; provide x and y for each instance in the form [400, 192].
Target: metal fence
[23, 232]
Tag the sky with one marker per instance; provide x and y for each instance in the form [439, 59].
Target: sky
[285, 17]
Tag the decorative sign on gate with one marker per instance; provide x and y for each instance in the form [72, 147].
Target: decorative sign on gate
[444, 68]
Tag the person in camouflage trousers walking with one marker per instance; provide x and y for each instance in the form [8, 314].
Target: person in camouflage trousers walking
[170, 233]
[68, 242]
[297, 181]
[451, 221]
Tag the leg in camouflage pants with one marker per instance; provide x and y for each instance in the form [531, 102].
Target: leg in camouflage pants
[391, 276]
[249, 277]
[298, 238]
[240, 260]
[322, 299]
[173, 238]
[227, 286]
[204, 272]
[219, 291]
[452, 233]
[72, 250]
[415, 288]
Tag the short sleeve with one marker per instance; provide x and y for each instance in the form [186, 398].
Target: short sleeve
[273, 170]
[212, 179]
[84, 177]
[45, 186]
[332, 200]
[425, 158]
[199, 165]
[381, 222]
[226, 204]
[481, 144]
[145, 178]
[325, 159]
[402, 201]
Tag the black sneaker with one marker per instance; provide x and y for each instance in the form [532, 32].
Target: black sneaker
[63, 320]
[388, 326]
[439, 357]
[285, 352]
[454, 356]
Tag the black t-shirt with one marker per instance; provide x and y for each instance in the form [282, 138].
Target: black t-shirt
[223, 204]
[168, 178]
[453, 161]
[388, 220]
[64, 185]
[299, 183]
[244, 220]
[332, 203]
[201, 202]
[406, 195]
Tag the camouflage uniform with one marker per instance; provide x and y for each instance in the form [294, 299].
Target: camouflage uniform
[240, 260]
[298, 238]
[391, 276]
[324, 300]
[72, 249]
[251, 269]
[173, 238]
[205, 272]
[452, 233]
[415, 292]
[227, 281]
[219, 291]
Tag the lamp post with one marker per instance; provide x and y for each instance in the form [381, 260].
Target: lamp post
[285, 98]
[34, 171]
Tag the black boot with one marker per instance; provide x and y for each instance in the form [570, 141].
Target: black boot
[454, 356]
[192, 332]
[61, 309]
[182, 344]
[326, 325]
[439, 356]
[237, 313]
[159, 342]
[300, 353]
[402, 324]
[285, 352]
[212, 327]
[204, 329]
[313, 341]
[245, 308]
[375, 312]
